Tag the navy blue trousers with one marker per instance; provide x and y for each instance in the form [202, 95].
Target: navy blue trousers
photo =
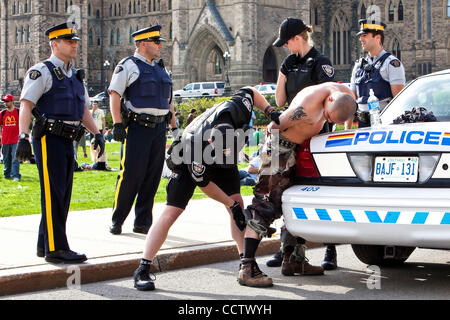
[55, 162]
[142, 160]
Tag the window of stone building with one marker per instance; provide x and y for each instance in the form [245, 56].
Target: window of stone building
[169, 4]
[396, 50]
[391, 11]
[159, 5]
[170, 31]
[419, 19]
[134, 6]
[429, 19]
[341, 40]
[28, 34]
[118, 36]
[111, 37]
[91, 37]
[16, 69]
[25, 7]
[120, 10]
[149, 6]
[23, 35]
[129, 7]
[400, 11]
[89, 9]
[56, 6]
[50, 5]
[139, 6]
[110, 10]
[97, 14]
[448, 8]
[130, 39]
[17, 35]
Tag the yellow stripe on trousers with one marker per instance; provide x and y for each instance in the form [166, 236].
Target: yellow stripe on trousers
[48, 198]
[122, 163]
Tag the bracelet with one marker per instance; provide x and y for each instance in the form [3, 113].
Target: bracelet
[265, 110]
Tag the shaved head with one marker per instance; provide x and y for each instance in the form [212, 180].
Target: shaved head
[343, 106]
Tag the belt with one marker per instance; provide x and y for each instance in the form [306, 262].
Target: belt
[67, 129]
[146, 120]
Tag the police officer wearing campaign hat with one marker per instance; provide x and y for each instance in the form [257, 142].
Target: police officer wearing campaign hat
[305, 66]
[379, 70]
[140, 102]
[55, 94]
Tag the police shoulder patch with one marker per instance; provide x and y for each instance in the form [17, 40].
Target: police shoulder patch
[198, 169]
[329, 70]
[118, 69]
[34, 74]
[395, 63]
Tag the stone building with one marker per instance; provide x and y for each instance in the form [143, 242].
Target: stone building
[200, 32]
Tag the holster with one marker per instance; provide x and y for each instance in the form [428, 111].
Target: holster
[39, 126]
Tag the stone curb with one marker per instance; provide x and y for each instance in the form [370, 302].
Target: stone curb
[51, 276]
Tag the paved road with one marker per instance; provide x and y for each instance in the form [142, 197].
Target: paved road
[426, 275]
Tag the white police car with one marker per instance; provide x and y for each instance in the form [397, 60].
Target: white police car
[385, 190]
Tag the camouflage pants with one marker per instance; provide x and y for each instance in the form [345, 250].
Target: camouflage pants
[276, 173]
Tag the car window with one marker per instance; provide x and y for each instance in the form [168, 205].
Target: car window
[220, 85]
[263, 88]
[431, 93]
[208, 85]
[188, 87]
[196, 86]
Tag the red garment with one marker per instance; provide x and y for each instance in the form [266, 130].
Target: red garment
[10, 124]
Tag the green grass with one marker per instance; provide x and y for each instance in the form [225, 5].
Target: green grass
[91, 189]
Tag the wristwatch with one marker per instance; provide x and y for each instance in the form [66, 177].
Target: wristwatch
[23, 135]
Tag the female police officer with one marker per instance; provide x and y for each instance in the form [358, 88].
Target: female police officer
[304, 67]
[54, 91]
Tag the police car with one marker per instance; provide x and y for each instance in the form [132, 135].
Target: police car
[385, 190]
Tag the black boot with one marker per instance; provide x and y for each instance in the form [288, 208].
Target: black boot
[276, 260]
[330, 260]
[142, 279]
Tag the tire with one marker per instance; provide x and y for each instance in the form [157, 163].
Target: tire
[374, 255]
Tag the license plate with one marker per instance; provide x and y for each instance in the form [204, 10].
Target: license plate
[395, 169]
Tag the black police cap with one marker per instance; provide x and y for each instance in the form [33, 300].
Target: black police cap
[66, 30]
[151, 33]
[289, 28]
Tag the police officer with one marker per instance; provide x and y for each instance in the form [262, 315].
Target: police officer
[219, 133]
[305, 66]
[54, 93]
[140, 119]
[379, 70]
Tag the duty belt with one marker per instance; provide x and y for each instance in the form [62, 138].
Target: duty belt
[147, 120]
[363, 116]
[67, 129]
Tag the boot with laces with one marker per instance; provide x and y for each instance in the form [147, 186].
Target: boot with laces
[250, 275]
[144, 279]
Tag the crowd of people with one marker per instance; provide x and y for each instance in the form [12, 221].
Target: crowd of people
[309, 101]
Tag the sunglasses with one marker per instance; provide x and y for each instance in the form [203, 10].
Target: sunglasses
[155, 41]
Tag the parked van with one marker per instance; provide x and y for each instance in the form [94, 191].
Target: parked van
[199, 89]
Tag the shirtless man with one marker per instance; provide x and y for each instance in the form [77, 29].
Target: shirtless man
[304, 118]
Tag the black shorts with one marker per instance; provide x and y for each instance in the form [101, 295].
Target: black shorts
[180, 186]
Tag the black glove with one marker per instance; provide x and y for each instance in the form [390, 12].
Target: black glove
[119, 133]
[23, 150]
[275, 116]
[289, 63]
[99, 141]
[238, 215]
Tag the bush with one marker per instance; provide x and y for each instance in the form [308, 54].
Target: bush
[202, 104]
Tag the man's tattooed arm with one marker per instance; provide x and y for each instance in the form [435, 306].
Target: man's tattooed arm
[298, 114]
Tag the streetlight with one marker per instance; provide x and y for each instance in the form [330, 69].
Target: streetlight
[106, 66]
[226, 58]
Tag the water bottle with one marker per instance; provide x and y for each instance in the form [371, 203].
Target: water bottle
[374, 109]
